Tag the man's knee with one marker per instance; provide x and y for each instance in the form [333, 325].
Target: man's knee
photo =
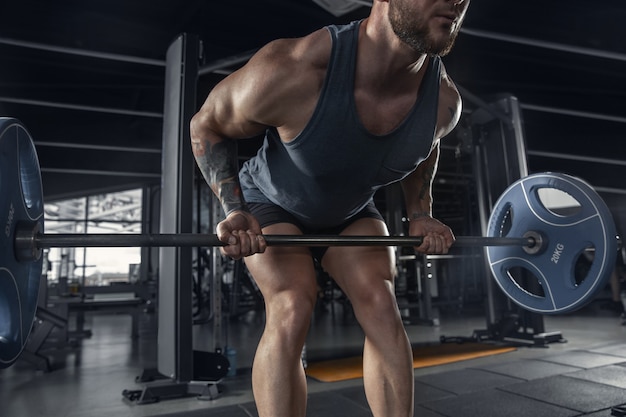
[290, 309]
[376, 302]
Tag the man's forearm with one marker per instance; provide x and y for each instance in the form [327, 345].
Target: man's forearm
[219, 166]
[417, 187]
[417, 191]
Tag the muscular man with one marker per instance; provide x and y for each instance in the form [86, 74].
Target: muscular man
[345, 110]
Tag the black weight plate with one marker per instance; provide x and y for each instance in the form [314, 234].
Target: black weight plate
[580, 244]
[21, 200]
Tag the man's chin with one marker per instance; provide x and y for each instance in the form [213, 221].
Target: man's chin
[443, 45]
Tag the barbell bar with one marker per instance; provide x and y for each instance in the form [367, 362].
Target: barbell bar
[523, 234]
[29, 241]
[26, 240]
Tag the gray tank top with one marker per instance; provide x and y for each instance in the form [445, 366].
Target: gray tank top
[332, 169]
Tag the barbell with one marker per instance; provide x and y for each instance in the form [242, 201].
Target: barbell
[525, 239]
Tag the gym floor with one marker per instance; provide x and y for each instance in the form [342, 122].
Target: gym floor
[584, 376]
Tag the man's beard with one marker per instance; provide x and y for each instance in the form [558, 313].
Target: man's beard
[415, 33]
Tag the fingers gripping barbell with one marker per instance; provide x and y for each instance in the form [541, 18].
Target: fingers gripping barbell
[522, 235]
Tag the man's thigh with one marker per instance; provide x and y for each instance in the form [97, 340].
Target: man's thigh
[360, 269]
[283, 268]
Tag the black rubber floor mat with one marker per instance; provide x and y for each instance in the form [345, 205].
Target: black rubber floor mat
[529, 369]
[227, 411]
[333, 404]
[326, 404]
[496, 403]
[464, 381]
[572, 393]
[614, 375]
[584, 359]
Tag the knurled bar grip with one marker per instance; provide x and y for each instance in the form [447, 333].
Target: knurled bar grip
[42, 241]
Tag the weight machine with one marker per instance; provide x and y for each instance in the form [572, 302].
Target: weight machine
[181, 370]
[498, 150]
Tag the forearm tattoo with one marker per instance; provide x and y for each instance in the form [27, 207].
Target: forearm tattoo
[427, 178]
[426, 175]
[219, 167]
[418, 214]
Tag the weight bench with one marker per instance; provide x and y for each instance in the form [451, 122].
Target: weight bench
[45, 322]
[115, 303]
[57, 317]
[122, 303]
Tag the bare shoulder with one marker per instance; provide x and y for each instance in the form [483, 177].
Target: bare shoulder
[307, 51]
[282, 75]
[277, 87]
[450, 105]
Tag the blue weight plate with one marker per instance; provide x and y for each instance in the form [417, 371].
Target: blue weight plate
[579, 251]
[21, 199]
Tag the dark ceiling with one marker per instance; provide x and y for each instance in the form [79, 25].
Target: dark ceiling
[87, 77]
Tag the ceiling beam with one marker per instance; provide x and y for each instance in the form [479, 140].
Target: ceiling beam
[97, 147]
[99, 172]
[82, 52]
[544, 44]
[82, 107]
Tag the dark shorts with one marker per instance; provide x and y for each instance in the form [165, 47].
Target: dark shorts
[268, 214]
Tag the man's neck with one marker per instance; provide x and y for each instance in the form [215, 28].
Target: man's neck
[379, 46]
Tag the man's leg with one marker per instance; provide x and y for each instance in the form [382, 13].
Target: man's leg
[366, 275]
[286, 278]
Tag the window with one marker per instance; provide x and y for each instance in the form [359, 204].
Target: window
[118, 212]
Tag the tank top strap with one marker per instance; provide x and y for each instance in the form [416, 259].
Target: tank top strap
[342, 62]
